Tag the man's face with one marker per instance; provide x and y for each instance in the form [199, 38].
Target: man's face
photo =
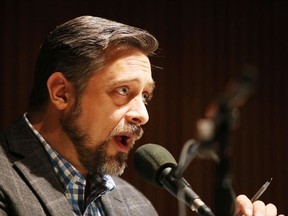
[106, 122]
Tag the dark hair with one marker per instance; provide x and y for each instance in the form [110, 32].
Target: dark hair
[79, 47]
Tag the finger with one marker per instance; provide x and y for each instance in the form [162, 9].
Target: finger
[244, 205]
[271, 210]
[259, 208]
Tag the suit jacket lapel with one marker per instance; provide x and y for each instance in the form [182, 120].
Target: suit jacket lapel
[37, 170]
[114, 205]
[44, 183]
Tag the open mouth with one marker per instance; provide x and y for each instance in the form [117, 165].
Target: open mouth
[124, 142]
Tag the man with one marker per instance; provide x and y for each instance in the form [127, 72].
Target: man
[92, 82]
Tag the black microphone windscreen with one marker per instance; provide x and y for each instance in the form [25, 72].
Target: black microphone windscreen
[150, 160]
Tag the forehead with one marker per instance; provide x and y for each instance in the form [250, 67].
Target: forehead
[127, 65]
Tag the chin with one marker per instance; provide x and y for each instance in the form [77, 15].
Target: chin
[115, 165]
[114, 170]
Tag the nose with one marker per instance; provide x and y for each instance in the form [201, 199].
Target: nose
[137, 113]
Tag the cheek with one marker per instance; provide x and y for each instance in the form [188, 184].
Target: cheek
[98, 122]
[100, 117]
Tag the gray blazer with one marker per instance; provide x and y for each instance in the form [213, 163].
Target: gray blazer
[29, 185]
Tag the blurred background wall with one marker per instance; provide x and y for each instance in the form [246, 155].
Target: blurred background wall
[203, 45]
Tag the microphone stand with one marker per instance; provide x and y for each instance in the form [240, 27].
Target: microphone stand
[214, 134]
[224, 115]
[224, 194]
[218, 142]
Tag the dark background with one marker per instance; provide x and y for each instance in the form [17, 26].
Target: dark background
[203, 45]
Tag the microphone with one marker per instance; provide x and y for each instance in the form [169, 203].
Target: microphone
[156, 165]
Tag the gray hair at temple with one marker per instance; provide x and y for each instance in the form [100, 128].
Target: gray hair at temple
[80, 47]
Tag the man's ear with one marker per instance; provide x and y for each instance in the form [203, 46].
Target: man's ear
[60, 91]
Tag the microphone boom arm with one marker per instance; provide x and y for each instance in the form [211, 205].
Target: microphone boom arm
[181, 189]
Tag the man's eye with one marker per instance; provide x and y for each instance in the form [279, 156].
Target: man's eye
[146, 97]
[123, 91]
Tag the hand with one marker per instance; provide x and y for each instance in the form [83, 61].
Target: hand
[258, 208]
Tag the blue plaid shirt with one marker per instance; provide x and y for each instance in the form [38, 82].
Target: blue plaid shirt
[74, 183]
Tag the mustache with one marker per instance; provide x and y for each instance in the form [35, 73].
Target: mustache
[132, 129]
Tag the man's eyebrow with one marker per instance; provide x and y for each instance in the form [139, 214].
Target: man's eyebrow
[151, 84]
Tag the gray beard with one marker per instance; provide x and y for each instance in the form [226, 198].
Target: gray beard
[94, 159]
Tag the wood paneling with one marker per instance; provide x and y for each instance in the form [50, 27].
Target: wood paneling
[203, 45]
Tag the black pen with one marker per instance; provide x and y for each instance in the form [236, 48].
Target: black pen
[258, 193]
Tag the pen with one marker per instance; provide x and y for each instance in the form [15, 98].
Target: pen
[261, 190]
[258, 193]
